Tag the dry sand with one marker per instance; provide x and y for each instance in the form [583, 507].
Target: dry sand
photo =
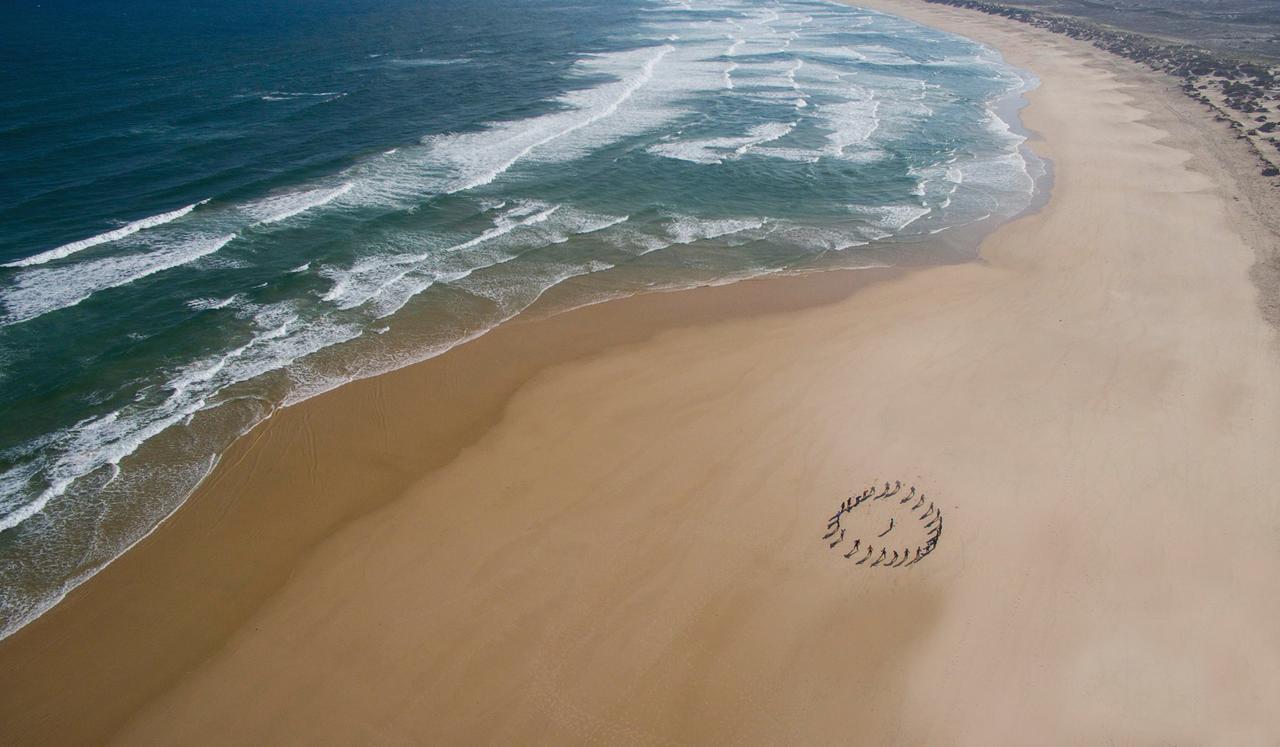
[627, 548]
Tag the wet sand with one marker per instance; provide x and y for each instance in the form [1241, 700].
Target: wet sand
[606, 526]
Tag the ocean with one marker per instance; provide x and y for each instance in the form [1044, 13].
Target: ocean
[213, 210]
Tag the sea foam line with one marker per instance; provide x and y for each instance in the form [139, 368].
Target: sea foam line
[128, 229]
[281, 207]
[362, 283]
[716, 150]
[43, 290]
[644, 76]
[105, 441]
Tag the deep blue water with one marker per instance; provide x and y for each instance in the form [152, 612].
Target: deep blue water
[212, 209]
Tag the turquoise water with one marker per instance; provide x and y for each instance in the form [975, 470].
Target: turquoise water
[213, 210]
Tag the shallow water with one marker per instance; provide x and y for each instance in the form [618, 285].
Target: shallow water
[215, 209]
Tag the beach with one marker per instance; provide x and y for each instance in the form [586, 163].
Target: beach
[606, 525]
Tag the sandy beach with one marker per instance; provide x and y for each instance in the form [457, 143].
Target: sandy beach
[606, 526]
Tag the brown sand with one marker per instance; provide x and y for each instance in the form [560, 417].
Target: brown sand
[627, 549]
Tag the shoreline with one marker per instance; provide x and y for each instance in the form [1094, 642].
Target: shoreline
[189, 634]
[949, 245]
[193, 596]
[216, 430]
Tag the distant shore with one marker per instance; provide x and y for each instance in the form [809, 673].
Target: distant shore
[1238, 90]
[606, 525]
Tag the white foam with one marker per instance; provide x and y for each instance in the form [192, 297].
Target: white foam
[635, 241]
[387, 283]
[791, 71]
[282, 207]
[764, 133]
[201, 373]
[104, 441]
[686, 229]
[128, 229]
[583, 224]
[561, 275]
[303, 94]
[891, 218]
[209, 304]
[505, 227]
[479, 158]
[768, 96]
[719, 149]
[799, 155]
[394, 294]
[292, 96]
[728, 75]
[1006, 172]
[426, 61]
[814, 238]
[1000, 128]
[42, 290]
[850, 123]
[514, 294]
[877, 54]
[936, 184]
